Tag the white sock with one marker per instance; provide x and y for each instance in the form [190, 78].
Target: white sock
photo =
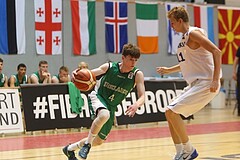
[187, 146]
[74, 146]
[90, 138]
[179, 148]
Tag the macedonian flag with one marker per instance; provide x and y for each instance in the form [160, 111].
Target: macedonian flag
[229, 32]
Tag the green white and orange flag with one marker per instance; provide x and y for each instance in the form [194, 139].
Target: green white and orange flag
[229, 32]
[83, 27]
[147, 27]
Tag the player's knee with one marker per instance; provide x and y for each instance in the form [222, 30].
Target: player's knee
[169, 113]
[104, 115]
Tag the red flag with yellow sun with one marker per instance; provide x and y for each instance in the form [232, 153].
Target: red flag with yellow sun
[229, 32]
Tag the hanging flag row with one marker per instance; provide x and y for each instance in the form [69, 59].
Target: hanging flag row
[48, 27]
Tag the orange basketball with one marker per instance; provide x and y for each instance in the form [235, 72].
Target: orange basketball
[84, 80]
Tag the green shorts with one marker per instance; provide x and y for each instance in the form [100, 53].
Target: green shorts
[100, 103]
[106, 128]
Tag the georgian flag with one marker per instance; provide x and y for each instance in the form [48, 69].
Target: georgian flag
[48, 26]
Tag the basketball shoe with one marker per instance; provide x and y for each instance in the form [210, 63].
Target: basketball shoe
[69, 154]
[178, 157]
[84, 151]
[190, 155]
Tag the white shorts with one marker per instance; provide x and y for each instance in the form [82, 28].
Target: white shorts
[95, 102]
[193, 98]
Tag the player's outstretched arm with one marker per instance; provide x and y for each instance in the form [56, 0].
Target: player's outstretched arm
[139, 80]
[168, 70]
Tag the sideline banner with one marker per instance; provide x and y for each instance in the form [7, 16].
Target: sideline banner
[48, 106]
[10, 111]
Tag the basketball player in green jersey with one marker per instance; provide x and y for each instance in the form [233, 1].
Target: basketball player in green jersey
[113, 87]
[19, 78]
[63, 75]
[3, 77]
[42, 75]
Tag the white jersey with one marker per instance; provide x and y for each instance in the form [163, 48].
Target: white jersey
[194, 64]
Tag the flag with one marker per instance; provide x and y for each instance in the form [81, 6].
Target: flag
[83, 27]
[48, 26]
[229, 32]
[203, 18]
[147, 27]
[116, 20]
[12, 27]
[173, 37]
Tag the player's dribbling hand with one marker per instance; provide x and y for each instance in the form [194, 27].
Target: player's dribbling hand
[73, 74]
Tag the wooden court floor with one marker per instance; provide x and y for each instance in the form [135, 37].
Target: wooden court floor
[214, 132]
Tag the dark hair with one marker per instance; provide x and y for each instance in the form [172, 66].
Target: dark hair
[1, 60]
[42, 62]
[21, 65]
[132, 50]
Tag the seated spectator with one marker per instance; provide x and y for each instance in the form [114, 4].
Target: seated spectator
[3, 77]
[63, 75]
[82, 65]
[20, 77]
[42, 75]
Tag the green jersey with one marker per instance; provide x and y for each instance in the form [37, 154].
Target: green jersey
[38, 76]
[114, 86]
[2, 80]
[112, 89]
[18, 82]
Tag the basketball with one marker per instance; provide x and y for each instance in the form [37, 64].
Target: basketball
[84, 80]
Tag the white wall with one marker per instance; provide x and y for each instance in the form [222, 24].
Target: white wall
[234, 3]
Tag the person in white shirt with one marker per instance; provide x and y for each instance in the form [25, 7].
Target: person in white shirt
[200, 63]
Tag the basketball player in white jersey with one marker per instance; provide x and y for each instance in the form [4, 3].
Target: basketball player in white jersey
[200, 63]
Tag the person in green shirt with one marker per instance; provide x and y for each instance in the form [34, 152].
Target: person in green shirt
[63, 75]
[42, 75]
[82, 65]
[118, 79]
[20, 77]
[3, 77]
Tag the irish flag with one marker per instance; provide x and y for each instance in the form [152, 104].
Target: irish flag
[147, 27]
[203, 18]
[83, 27]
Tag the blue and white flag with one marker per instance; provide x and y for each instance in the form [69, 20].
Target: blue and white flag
[173, 37]
[116, 20]
[203, 18]
[12, 27]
